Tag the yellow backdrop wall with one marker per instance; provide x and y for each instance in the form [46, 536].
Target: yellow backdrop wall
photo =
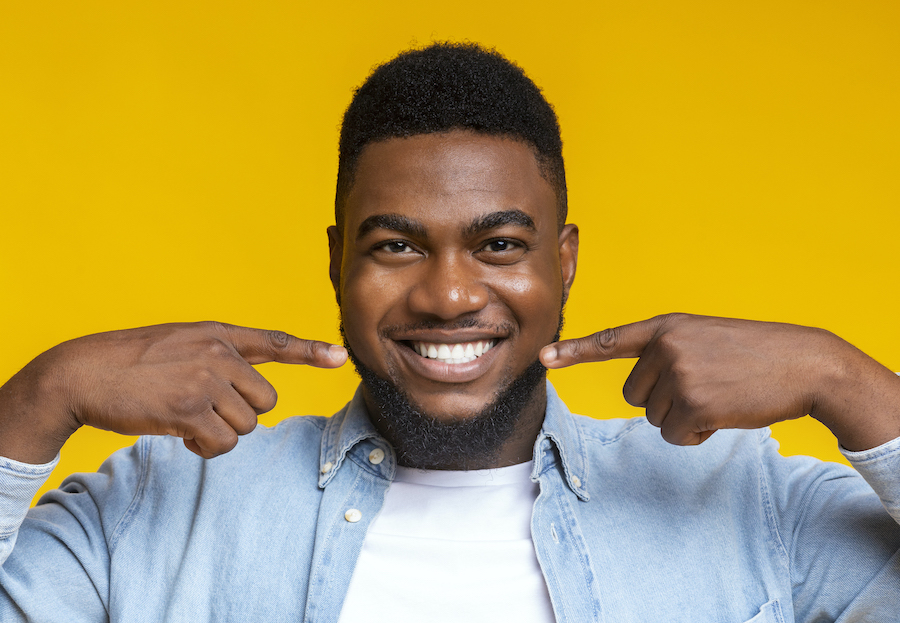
[176, 161]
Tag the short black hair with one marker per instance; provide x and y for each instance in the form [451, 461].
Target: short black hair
[450, 86]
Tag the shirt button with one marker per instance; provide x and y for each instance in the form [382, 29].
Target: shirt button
[353, 515]
[327, 467]
[576, 481]
[376, 456]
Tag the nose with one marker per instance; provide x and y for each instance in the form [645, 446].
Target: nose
[449, 288]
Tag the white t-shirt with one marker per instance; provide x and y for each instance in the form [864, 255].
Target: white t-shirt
[451, 546]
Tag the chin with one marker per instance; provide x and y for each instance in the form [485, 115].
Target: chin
[443, 439]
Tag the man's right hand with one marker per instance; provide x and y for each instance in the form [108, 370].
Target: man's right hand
[193, 380]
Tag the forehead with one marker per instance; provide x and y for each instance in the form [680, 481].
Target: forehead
[448, 178]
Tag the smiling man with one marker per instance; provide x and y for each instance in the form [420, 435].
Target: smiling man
[455, 485]
[452, 257]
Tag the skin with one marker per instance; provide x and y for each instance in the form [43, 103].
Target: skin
[698, 374]
[453, 238]
[694, 374]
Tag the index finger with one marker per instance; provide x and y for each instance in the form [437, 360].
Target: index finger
[623, 342]
[262, 346]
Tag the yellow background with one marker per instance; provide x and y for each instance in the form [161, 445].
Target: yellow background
[167, 161]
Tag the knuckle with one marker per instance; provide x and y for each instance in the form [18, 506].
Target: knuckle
[655, 418]
[693, 402]
[204, 377]
[668, 342]
[630, 394]
[217, 440]
[676, 437]
[218, 349]
[277, 340]
[247, 425]
[266, 398]
[672, 318]
[211, 326]
[191, 403]
[605, 340]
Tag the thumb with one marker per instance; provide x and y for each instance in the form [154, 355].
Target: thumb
[626, 341]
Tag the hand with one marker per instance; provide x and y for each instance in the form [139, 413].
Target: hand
[698, 374]
[193, 381]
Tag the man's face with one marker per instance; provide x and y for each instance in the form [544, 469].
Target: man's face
[451, 269]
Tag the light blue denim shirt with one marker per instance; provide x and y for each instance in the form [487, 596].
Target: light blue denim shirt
[627, 528]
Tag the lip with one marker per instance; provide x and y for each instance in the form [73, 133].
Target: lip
[441, 372]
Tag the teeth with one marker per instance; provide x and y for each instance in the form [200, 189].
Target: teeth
[453, 353]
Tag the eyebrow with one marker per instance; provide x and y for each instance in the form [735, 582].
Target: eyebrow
[498, 219]
[411, 227]
[393, 222]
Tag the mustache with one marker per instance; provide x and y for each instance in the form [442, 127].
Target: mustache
[462, 323]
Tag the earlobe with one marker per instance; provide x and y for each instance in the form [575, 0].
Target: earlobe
[336, 254]
[568, 256]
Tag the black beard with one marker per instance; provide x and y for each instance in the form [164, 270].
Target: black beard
[424, 442]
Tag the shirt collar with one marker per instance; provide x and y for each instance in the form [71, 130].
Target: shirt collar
[560, 436]
[343, 431]
[561, 433]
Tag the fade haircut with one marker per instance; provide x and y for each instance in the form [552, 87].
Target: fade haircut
[444, 87]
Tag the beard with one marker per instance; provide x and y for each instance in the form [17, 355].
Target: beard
[425, 442]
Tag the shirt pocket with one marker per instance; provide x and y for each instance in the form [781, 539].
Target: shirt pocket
[768, 613]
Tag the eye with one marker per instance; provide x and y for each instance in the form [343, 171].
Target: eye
[498, 246]
[502, 250]
[395, 247]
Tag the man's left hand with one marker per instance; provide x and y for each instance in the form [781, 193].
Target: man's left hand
[697, 374]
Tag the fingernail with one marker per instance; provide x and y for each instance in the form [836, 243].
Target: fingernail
[550, 354]
[337, 353]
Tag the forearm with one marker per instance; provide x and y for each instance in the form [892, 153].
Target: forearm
[35, 421]
[858, 400]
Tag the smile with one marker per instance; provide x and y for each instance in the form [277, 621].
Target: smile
[462, 352]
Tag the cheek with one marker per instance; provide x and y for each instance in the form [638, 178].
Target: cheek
[367, 298]
[534, 298]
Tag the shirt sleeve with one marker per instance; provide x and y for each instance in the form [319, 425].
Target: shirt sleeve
[880, 467]
[19, 483]
[59, 568]
[843, 549]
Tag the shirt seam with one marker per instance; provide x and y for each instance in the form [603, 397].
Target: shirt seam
[632, 424]
[768, 504]
[143, 448]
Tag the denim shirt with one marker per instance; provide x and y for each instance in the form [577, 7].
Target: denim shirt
[627, 528]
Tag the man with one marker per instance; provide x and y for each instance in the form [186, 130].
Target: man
[455, 485]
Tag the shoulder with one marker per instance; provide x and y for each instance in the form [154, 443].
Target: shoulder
[289, 439]
[635, 446]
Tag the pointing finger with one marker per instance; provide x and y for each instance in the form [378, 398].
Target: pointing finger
[622, 342]
[262, 346]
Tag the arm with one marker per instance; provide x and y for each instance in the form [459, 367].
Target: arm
[193, 381]
[698, 374]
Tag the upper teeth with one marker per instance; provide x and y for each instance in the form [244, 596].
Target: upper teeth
[453, 353]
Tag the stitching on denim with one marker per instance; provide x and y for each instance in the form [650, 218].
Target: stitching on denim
[629, 427]
[768, 505]
[582, 553]
[143, 448]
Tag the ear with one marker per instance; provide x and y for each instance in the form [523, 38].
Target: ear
[336, 252]
[568, 256]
